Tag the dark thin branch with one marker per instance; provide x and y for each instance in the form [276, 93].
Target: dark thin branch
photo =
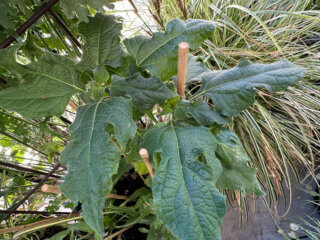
[64, 27]
[10, 165]
[65, 120]
[45, 7]
[32, 191]
[34, 212]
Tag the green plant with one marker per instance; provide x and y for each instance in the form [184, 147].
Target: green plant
[194, 152]
[280, 132]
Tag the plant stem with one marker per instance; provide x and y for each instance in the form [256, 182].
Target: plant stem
[117, 233]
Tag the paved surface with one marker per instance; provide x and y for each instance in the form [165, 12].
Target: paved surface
[260, 225]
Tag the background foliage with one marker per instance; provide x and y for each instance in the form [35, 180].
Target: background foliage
[282, 128]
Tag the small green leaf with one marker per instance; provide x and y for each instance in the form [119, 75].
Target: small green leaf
[140, 167]
[102, 42]
[159, 54]
[93, 159]
[47, 88]
[101, 75]
[185, 197]
[145, 92]
[199, 111]
[236, 174]
[232, 91]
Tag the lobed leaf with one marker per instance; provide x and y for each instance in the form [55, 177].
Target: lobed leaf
[232, 91]
[47, 88]
[185, 197]
[159, 54]
[92, 158]
[102, 42]
[71, 7]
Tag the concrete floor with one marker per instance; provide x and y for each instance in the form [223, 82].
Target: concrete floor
[261, 226]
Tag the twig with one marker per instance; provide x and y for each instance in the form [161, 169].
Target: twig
[117, 233]
[145, 156]
[182, 67]
[32, 191]
[135, 10]
[64, 27]
[45, 7]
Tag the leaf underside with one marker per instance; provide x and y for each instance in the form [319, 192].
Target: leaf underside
[92, 159]
[185, 197]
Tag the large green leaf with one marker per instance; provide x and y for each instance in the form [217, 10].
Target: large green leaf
[102, 42]
[47, 88]
[232, 91]
[185, 197]
[69, 7]
[92, 158]
[236, 174]
[201, 112]
[159, 54]
[145, 92]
